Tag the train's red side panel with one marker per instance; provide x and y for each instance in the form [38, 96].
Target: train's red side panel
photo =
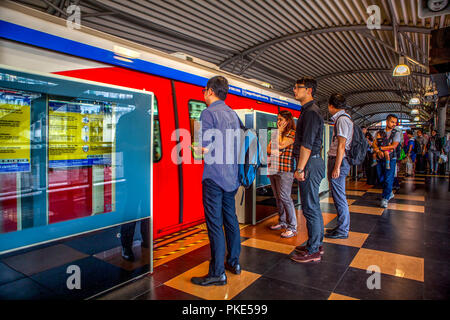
[166, 192]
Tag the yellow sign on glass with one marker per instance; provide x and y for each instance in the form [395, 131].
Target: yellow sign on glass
[14, 132]
[79, 134]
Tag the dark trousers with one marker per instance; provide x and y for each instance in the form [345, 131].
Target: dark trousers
[220, 211]
[309, 194]
[127, 233]
[420, 163]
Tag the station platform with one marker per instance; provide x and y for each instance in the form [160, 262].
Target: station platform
[408, 241]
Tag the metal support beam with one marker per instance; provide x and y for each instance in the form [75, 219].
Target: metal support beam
[302, 34]
[244, 68]
[388, 46]
[347, 72]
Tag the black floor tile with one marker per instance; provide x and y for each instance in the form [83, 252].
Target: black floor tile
[257, 260]
[397, 232]
[362, 223]
[437, 252]
[163, 292]
[97, 242]
[437, 223]
[403, 219]
[8, 274]
[338, 254]
[354, 284]
[272, 289]
[322, 275]
[96, 276]
[25, 289]
[410, 247]
[437, 280]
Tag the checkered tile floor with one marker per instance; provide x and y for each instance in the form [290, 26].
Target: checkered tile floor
[408, 242]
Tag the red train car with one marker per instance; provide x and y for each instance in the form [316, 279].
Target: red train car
[37, 42]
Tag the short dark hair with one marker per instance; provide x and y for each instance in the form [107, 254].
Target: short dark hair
[337, 100]
[409, 132]
[363, 127]
[420, 130]
[308, 82]
[219, 86]
[391, 116]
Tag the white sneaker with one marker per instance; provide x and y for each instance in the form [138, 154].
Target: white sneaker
[384, 203]
[391, 196]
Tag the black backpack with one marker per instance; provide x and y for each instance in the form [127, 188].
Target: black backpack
[359, 145]
[417, 147]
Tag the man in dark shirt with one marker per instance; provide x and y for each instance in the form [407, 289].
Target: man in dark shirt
[310, 168]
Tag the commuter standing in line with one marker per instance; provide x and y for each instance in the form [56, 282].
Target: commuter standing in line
[411, 154]
[219, 186]
[387, 175]
[434, 147]
[338, 166]
[310, 168]
[281, 174]
[420, 155]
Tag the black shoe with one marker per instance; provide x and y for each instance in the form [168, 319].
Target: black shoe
[236, 269]
[210, 281]
[335, 235]
[127, 254]
[331, 230]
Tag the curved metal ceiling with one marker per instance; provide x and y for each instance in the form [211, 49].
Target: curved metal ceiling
[279, 41]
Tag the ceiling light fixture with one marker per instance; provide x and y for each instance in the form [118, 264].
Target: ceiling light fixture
[414, 101]
[402, 69]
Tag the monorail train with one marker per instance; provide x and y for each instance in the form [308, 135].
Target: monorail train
[34, 41]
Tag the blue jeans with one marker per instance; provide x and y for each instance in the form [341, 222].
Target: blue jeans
[386, 177]
[338, 193]
[220, 211]
[309, 195]
[433, 158]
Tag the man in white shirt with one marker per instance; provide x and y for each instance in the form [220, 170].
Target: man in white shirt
[338, 165]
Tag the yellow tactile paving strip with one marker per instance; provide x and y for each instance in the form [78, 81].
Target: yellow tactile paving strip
[390, 263]
[235, 284]
[180, 247]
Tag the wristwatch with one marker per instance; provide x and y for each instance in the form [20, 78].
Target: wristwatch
[300, 170]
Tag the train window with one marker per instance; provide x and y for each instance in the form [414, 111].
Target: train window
[195, 109]
[157, 145]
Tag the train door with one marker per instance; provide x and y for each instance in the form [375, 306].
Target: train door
[165, 197]
[190, 104]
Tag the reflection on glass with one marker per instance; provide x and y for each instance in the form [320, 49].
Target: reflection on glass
[195, 110]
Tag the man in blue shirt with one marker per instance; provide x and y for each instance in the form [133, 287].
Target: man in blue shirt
[220, 182]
